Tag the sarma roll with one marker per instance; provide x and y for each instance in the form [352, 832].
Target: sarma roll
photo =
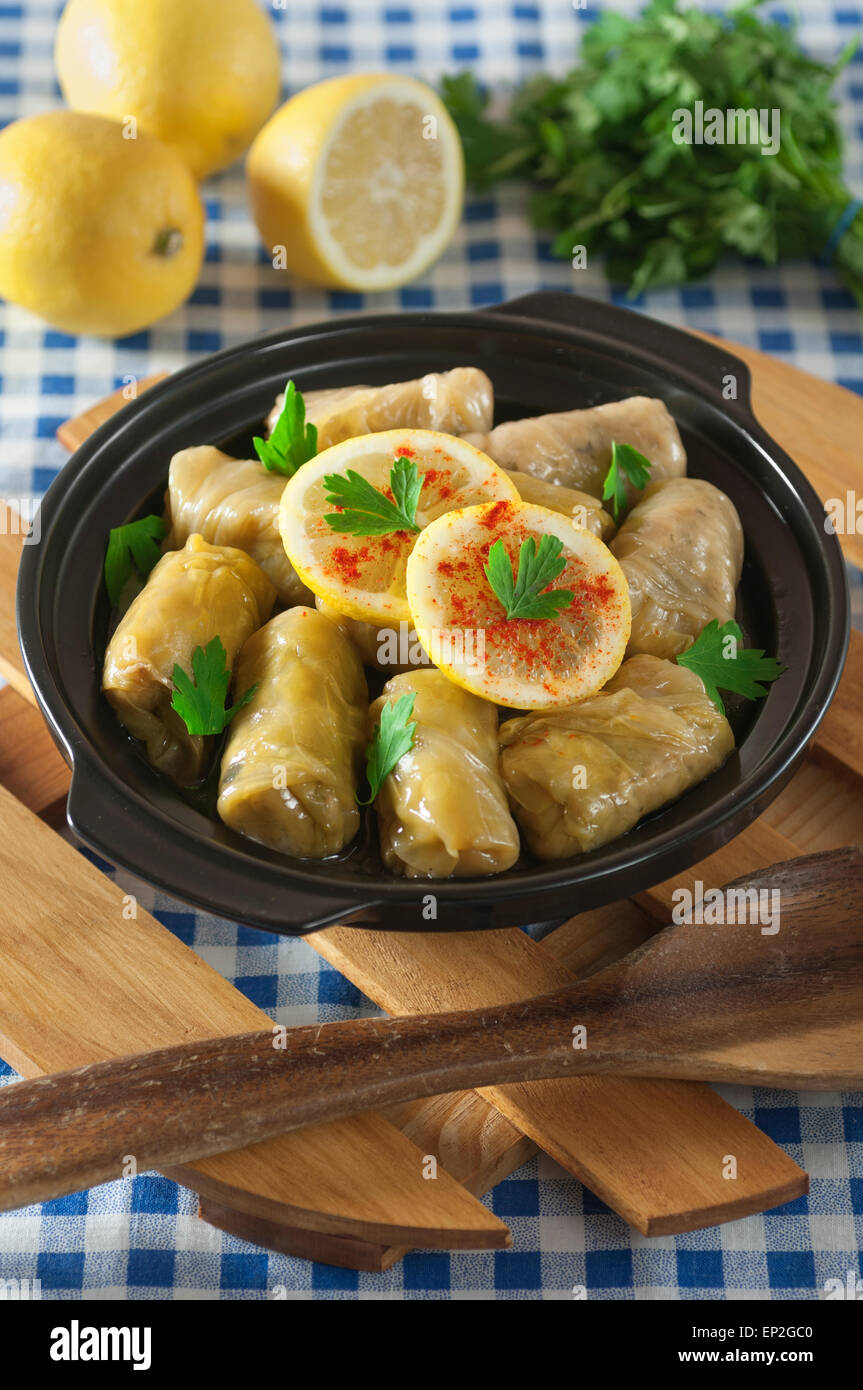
[574, 446]
[681, 550]
[583, 775]
[290, 766]
[231, 501]
[192, 595]
[585, 510]
[389, 649]
[454, 402]
[442, 811]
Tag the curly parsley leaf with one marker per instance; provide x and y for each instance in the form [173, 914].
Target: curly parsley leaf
[200, 702]
[393, 737]
[522, 595]
[292, 442]
[723, 663]
[626, 462]
[365, 510]
[136, 543]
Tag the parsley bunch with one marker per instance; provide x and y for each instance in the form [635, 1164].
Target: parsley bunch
[598, 147]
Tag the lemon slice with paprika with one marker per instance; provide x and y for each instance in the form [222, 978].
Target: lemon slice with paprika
[523, 662]
[363, 575]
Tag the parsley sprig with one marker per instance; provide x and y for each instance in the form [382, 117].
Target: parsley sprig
[292, 442]
[720, 659]
[626, 462]
[200, 702]
[393, 737]
[522, 595]
[134, 545]
[366, 511]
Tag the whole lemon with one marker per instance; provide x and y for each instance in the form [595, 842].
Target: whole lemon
[202, 75]
[98, 233]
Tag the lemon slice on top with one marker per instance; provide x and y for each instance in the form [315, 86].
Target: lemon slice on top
[363, 576]
[522, 662]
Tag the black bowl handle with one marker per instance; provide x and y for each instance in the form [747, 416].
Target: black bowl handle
[709, 368]
[227, 885]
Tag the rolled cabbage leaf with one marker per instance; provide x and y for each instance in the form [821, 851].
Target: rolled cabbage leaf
[290, 766]
[586, 510]
[681, 550]
[454, 402]
[574, 447]
[581, 776]
[442, 811]
[390, 649]
[192, 595]
[235, 502]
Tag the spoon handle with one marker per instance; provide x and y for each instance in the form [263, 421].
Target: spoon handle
[71, 1130]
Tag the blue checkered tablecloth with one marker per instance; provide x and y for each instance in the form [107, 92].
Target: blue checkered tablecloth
[140, 1239]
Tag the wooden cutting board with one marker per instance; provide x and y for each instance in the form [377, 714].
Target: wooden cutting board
[605, 1137]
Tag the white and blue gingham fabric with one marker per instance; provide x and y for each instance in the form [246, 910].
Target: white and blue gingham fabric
[141, 1239]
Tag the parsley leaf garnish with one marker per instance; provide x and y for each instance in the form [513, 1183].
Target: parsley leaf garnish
[292, 442]
[138, 542]
[628, 461]
[200, 703]
[393, 737]
[522, 596]
[366, 511]
[720, 659]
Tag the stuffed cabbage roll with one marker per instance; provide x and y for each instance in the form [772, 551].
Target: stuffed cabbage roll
[231, 501]
[442, 810]
[567, 500]
[574, 446]
[453, 402]
[681, 550]
[389, 649]
[290, 766]
[192, 595]
[580, 776]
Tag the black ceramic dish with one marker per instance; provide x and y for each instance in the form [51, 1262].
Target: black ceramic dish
[545, 352]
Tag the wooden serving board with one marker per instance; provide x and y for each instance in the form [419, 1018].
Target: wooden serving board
[654, 1151]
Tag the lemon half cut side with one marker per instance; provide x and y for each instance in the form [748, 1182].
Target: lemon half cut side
[358, 182]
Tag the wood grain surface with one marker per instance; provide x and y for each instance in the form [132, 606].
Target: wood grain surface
[87, 975]
[11, 545]
[780, 1004]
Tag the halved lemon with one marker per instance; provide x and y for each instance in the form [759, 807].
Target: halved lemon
[358, 181]
[525, 663]
[364, 576]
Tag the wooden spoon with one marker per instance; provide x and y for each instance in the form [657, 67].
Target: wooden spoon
[740, 1003]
